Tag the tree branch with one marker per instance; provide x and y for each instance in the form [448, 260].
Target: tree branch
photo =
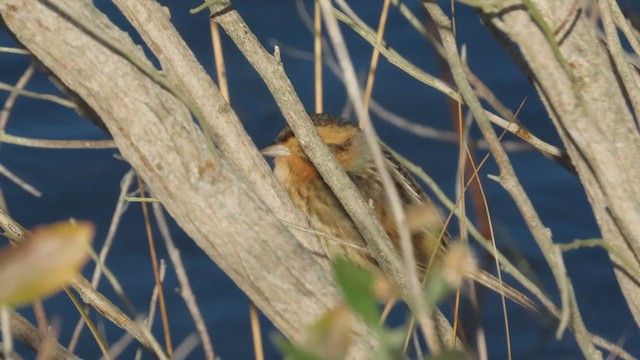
[594, 122]
[229, 215]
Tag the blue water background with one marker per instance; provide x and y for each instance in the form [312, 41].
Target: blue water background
[84, 183]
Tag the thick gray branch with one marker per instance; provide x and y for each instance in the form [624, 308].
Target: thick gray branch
[211, 195]
[588, 108]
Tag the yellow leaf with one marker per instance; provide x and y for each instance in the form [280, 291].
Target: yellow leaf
[330, 337]
[50, 259]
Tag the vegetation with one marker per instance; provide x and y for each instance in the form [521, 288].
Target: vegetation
[580, 56]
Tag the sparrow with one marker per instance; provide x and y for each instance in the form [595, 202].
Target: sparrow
[310, 194]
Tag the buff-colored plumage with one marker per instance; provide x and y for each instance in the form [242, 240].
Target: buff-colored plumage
[312, 195]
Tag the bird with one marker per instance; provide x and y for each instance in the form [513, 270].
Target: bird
[311, 194]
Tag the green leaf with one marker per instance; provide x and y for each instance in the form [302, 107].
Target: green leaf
[436, 290]
[328, 338]
[357, 286]
[291, 350]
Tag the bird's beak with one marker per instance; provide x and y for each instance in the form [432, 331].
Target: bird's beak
[275, 150]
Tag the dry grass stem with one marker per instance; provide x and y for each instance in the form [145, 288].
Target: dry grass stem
[156, 271]
[497, 262]
[185, 287]
[125, 183]
[94, 331]
[317, 57]
[218, 56]
[256, 333]
[151, 316]
[382, 22]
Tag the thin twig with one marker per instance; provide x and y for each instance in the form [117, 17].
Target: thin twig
[92, 327]
[57, 144]
[10, 50]
[617, 54]
[156, 272]
[153, 302]
[429, 132]
[32, 337]
[7, 338]
[152, 306]
[396, 59]
[48, 97]
[497, 262]
[11, 99]
[134, 199]
[185, 287]
[463, 135]
[186, 347]
[21, 183]
[418, 25]
[622, 23]
[329, 237]
[157, 349]
[41, 315]
[117, 348]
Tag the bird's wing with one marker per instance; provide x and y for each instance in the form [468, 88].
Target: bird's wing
[406, 184]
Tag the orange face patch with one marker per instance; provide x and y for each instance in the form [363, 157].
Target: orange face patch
[300, 169]
[331, 136]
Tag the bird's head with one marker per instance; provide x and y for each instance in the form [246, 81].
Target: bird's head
[345, 139]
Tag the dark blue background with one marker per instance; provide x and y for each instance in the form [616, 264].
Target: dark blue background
[85, 183]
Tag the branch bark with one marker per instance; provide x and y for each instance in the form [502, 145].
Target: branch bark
[225, 197]
[587, 105]
[29, 335]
